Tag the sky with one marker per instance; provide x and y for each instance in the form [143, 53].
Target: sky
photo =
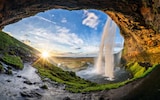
[63, 32]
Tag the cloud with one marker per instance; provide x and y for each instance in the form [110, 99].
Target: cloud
[62, 38]
[65, 37]
[91, 19]
[90, 49]
[64, 20]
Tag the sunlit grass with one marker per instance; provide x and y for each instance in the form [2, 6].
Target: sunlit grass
[15, 61]
[76, 84]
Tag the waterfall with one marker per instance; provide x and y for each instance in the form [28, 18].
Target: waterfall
[105, 60]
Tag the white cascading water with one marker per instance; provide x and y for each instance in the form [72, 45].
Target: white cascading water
[105, 60]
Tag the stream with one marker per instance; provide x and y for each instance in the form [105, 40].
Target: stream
[26, 85]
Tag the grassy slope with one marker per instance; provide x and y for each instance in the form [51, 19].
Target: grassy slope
[12, 51]
[74, 83]
[7, 42]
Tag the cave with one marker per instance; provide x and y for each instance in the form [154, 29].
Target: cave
[138, 21]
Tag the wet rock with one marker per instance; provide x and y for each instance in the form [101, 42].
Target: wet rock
[9, 72]
[30, 94]
[46, 79]
[44, 86]
[28, 82]
[8, 80]
[36, 83]
[19, 76]
[66, 98]
[101, 98]
[23, 88]
[9, 68]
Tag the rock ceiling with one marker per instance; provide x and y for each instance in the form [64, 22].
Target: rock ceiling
[138, 19]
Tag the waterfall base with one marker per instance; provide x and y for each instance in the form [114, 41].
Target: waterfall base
[120, 74]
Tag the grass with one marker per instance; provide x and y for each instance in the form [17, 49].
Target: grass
[54, 73]
[10, 45]
[14, 61]
[12, 51]
[76, 84]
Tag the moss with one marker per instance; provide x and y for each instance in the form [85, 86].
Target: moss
[139, 71]
[14, 61]
[9, 72]
[44, 86]
[136, 69]
[1, 67]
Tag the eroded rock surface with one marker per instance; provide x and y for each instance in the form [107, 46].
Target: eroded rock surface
[138, 20]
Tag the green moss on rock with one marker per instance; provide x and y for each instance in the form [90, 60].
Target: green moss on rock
[1, 67]
[14, 61]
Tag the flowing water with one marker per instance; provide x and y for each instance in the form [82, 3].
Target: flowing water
[105, 61]
[11, 86]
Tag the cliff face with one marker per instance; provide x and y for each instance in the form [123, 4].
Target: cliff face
[138, 20]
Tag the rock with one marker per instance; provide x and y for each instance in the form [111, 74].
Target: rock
[101, 98]
[66, 98]
[30, 94]
[8, 80]
[28, 82]
[19, 76]
[9, 72]
[44, 86]
[9, 68]
[23, 88]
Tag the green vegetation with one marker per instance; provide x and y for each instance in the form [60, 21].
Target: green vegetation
[12, 51]
[15, 61]
[1, 67]
[139, 71]
[76, 84]
[136, 69]
[10, 45]
[6, 42]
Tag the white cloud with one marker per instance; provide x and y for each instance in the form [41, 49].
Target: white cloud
[90, 49]
[64, 20]
[61, 38]
[91, 19]
[65, 37]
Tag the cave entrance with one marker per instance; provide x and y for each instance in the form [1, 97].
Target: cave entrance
[72, 38]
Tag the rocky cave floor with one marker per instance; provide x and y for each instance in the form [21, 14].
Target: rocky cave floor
[27, 85]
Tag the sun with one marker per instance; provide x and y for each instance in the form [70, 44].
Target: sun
[45, 54]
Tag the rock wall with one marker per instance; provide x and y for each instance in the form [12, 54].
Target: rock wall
[138, 20]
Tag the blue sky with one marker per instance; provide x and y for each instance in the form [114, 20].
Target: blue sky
[63, 32]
